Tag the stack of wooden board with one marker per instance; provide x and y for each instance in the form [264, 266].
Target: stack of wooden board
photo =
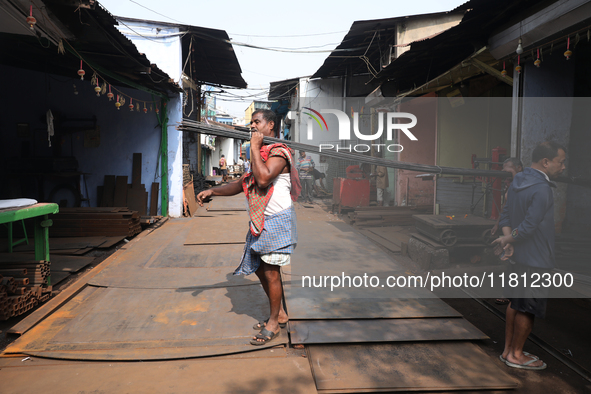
[386, 216]
[90, 222]
[24, 288]
[190, 202]
[116, 192]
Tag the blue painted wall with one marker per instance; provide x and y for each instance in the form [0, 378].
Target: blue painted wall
[28, 96]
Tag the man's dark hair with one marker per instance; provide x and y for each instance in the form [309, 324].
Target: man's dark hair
[546, 150]
[269, 116]
[515, 161]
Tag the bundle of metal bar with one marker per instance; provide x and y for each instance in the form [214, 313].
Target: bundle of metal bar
[199, 127]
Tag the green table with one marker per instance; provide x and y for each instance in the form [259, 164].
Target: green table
[40, 213]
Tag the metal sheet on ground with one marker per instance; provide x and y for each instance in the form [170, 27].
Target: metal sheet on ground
[382, 330]
[154, 262]
[392, 234]
[67, 243]
[67, 263]
[141, 324]
[57, 277]
[228, 229]
[16, 360]
[175, 277]
[326, 249]
[234, 203]
[362, 308]
[289, 375]
[432, 366]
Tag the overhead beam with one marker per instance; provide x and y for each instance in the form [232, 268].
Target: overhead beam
[492, 71]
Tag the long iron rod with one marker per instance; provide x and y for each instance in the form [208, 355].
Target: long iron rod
[199, 127]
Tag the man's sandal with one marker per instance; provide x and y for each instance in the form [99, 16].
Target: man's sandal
[527, 365]
[503, 359]
[264, 337]
[260, 325]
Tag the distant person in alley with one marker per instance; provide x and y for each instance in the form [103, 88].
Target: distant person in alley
[271, 186]
[224, 168]
[305, 167]
[527, 223]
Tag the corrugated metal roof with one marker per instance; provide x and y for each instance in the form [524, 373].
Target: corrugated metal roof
[431, 57]
[213, 58]
[370, 38]
[91, 35]
[282, 89]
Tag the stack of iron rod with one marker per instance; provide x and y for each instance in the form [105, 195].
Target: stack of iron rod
[387, 216]
[23, 285]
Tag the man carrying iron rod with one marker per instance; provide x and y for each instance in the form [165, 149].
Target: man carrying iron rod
[270, 186]
[527, 223]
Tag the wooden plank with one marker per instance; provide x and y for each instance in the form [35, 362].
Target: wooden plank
[120, 199]
[427, 366]
[382, 330]
[99, 195]
[136, 200]
[190, 196]
[108, 191]
[154, 199]
[136, 174]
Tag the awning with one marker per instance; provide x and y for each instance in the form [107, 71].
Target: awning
[86, 31]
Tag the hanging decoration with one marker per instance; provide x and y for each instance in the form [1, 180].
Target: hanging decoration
[117, 103]
[110, 95]
[81, 72]
[130, 104]
[518, 68]
[568, 52]
[31, 19]
[137, 107]
[145, 109]
[97, 88]
[504, 72]
[104, 87]
[157, 109]
[537, 62]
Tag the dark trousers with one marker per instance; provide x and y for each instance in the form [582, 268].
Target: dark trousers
[307, 187]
